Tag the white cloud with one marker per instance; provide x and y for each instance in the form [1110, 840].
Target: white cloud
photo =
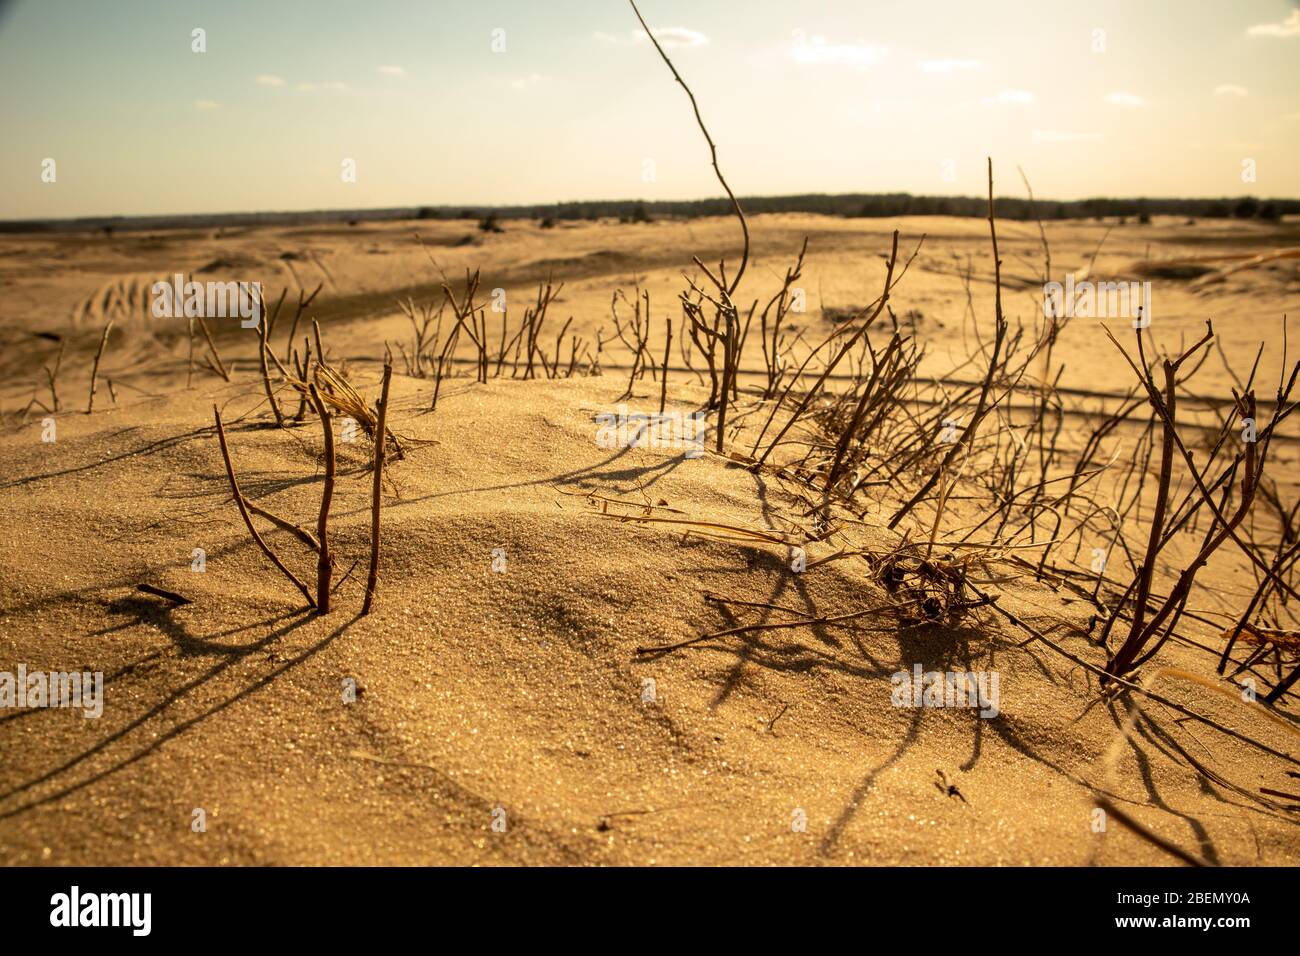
[206, 105]
[391, 70]
[1063, 136]
[266, 79]
[668, 37]
[526, 82]
[816, 49]
[675, 37]
[1229, 89]
[1290, 27]
[1019, 97]
[1125, 99]
[947, 66]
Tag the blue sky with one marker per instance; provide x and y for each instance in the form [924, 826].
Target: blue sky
[815, 96]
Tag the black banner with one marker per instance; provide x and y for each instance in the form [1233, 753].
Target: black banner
[367, 905]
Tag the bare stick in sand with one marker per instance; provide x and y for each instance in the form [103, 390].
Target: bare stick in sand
[713, 153]
[663, 379]
[324, 563]
[52, 376]
[54, 389]
[1285, 685]
[731, 352]
[243, 510]
[304, 302]
[302, 368]
[172, 596]
[94, 369]
[263, 332]
[284, 524]
[219, 365]
[320, 347]
[377, 496]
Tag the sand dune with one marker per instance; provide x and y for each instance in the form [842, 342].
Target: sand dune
[506, 716]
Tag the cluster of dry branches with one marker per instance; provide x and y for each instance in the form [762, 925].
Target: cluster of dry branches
[325, 387]
[986, 480]
[432, 354]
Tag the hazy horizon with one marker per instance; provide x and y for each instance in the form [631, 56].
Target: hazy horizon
[509, 104]
[1000, 195]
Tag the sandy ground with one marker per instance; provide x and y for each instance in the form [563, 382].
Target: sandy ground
[54, 281]
[516, 696]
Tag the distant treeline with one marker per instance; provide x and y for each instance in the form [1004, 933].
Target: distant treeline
[892, 205]
[849, 205]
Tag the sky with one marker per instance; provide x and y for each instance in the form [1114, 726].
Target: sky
[519, 102]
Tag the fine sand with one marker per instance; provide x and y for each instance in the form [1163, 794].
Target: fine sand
[502, 715]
